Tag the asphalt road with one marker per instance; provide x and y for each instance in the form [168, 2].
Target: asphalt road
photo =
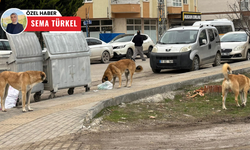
[98, 68]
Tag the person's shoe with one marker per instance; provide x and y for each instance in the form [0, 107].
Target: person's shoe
[133, 59]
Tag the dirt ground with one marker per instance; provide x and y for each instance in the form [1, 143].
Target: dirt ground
[152, 134]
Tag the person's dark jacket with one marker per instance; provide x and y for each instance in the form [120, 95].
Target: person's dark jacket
[14, 28]
[138, 40]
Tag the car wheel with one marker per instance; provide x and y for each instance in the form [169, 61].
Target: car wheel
[149, 51]
[105, 57]
[217, 60]
[129, 54]
[156, 70]
[248, 55]
[195, 64]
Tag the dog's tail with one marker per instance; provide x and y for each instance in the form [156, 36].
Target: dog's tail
[138, 69]
[225, 69]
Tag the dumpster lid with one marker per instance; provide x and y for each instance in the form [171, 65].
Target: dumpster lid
[24, 45]
[65, 43]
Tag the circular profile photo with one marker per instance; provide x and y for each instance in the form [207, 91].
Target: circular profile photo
[13, 21]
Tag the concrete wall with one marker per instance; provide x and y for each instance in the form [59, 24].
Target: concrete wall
[119, 25]
[100, 8]
[207, 6]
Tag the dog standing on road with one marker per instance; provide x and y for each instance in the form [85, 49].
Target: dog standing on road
[239, 84]
[116, 69]
[22, 81]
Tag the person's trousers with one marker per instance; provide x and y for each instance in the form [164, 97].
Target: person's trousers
[138, 49]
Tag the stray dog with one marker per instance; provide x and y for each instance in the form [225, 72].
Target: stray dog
[116, 69]
[239, 84]
[22, 81]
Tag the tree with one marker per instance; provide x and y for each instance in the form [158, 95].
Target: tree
[240, 15]
[65, 7]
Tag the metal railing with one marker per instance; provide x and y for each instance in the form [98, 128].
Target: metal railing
[125, 1]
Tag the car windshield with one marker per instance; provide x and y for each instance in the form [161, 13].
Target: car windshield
[234, 37]
[179, 37]
[123, 38]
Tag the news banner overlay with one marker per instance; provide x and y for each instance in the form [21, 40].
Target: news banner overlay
[49, 20]
[13, 21]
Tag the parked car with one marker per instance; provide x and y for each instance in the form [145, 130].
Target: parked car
[4, 47]
[235, 46]
[100, 50]
[124, 47]
[186, 47]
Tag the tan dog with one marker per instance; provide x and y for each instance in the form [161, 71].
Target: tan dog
[116, 69]
[22, 81]
[239, 84]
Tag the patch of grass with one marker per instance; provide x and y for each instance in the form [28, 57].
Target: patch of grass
[182, 108]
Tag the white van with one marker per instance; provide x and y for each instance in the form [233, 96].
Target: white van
[186, 47]
[222, 25]
[235, 46]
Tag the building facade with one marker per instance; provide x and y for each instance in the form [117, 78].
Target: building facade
[215, 9]
[128, 16]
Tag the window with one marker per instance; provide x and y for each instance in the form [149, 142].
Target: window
[244, 4]
[179, 37]
[224, 29]
[215, 33]
[177, 3]
[150, 29]
[1, 46]
[133, 25]
[185, 2]
[144, 37]
[7, 45]
[93, 42]
[88, 1]
[211, 35]
[202, 36]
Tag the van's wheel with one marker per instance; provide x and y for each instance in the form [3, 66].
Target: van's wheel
[71, 91]
[217, 60]
[105, 57]
[37, 96]
[248, 55]
[149, 51]
[129, 53]
[195, 64]
[156, 70]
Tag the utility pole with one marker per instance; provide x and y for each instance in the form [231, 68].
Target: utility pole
[87, 23]
[161, 18]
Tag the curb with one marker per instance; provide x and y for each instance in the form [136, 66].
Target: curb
[126, 98]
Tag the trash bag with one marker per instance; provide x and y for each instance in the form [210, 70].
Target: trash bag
[107, 85]
[11, 98]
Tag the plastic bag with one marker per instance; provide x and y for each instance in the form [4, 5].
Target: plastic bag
[11, 98]
[105, 86]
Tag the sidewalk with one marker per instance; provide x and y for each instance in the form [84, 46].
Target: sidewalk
[65, 115]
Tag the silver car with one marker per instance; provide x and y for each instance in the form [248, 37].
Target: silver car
[186, 48]
[235, 46]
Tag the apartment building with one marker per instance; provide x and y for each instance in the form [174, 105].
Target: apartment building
[128, 16]
[221, 9]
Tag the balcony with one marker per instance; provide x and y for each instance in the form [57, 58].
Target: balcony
[125, 1]
[125, 6]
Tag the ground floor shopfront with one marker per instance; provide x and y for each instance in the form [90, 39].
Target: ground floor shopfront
[122, 25]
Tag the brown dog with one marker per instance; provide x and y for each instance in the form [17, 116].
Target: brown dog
[239, 84]
[116, 69]
[22, 81]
